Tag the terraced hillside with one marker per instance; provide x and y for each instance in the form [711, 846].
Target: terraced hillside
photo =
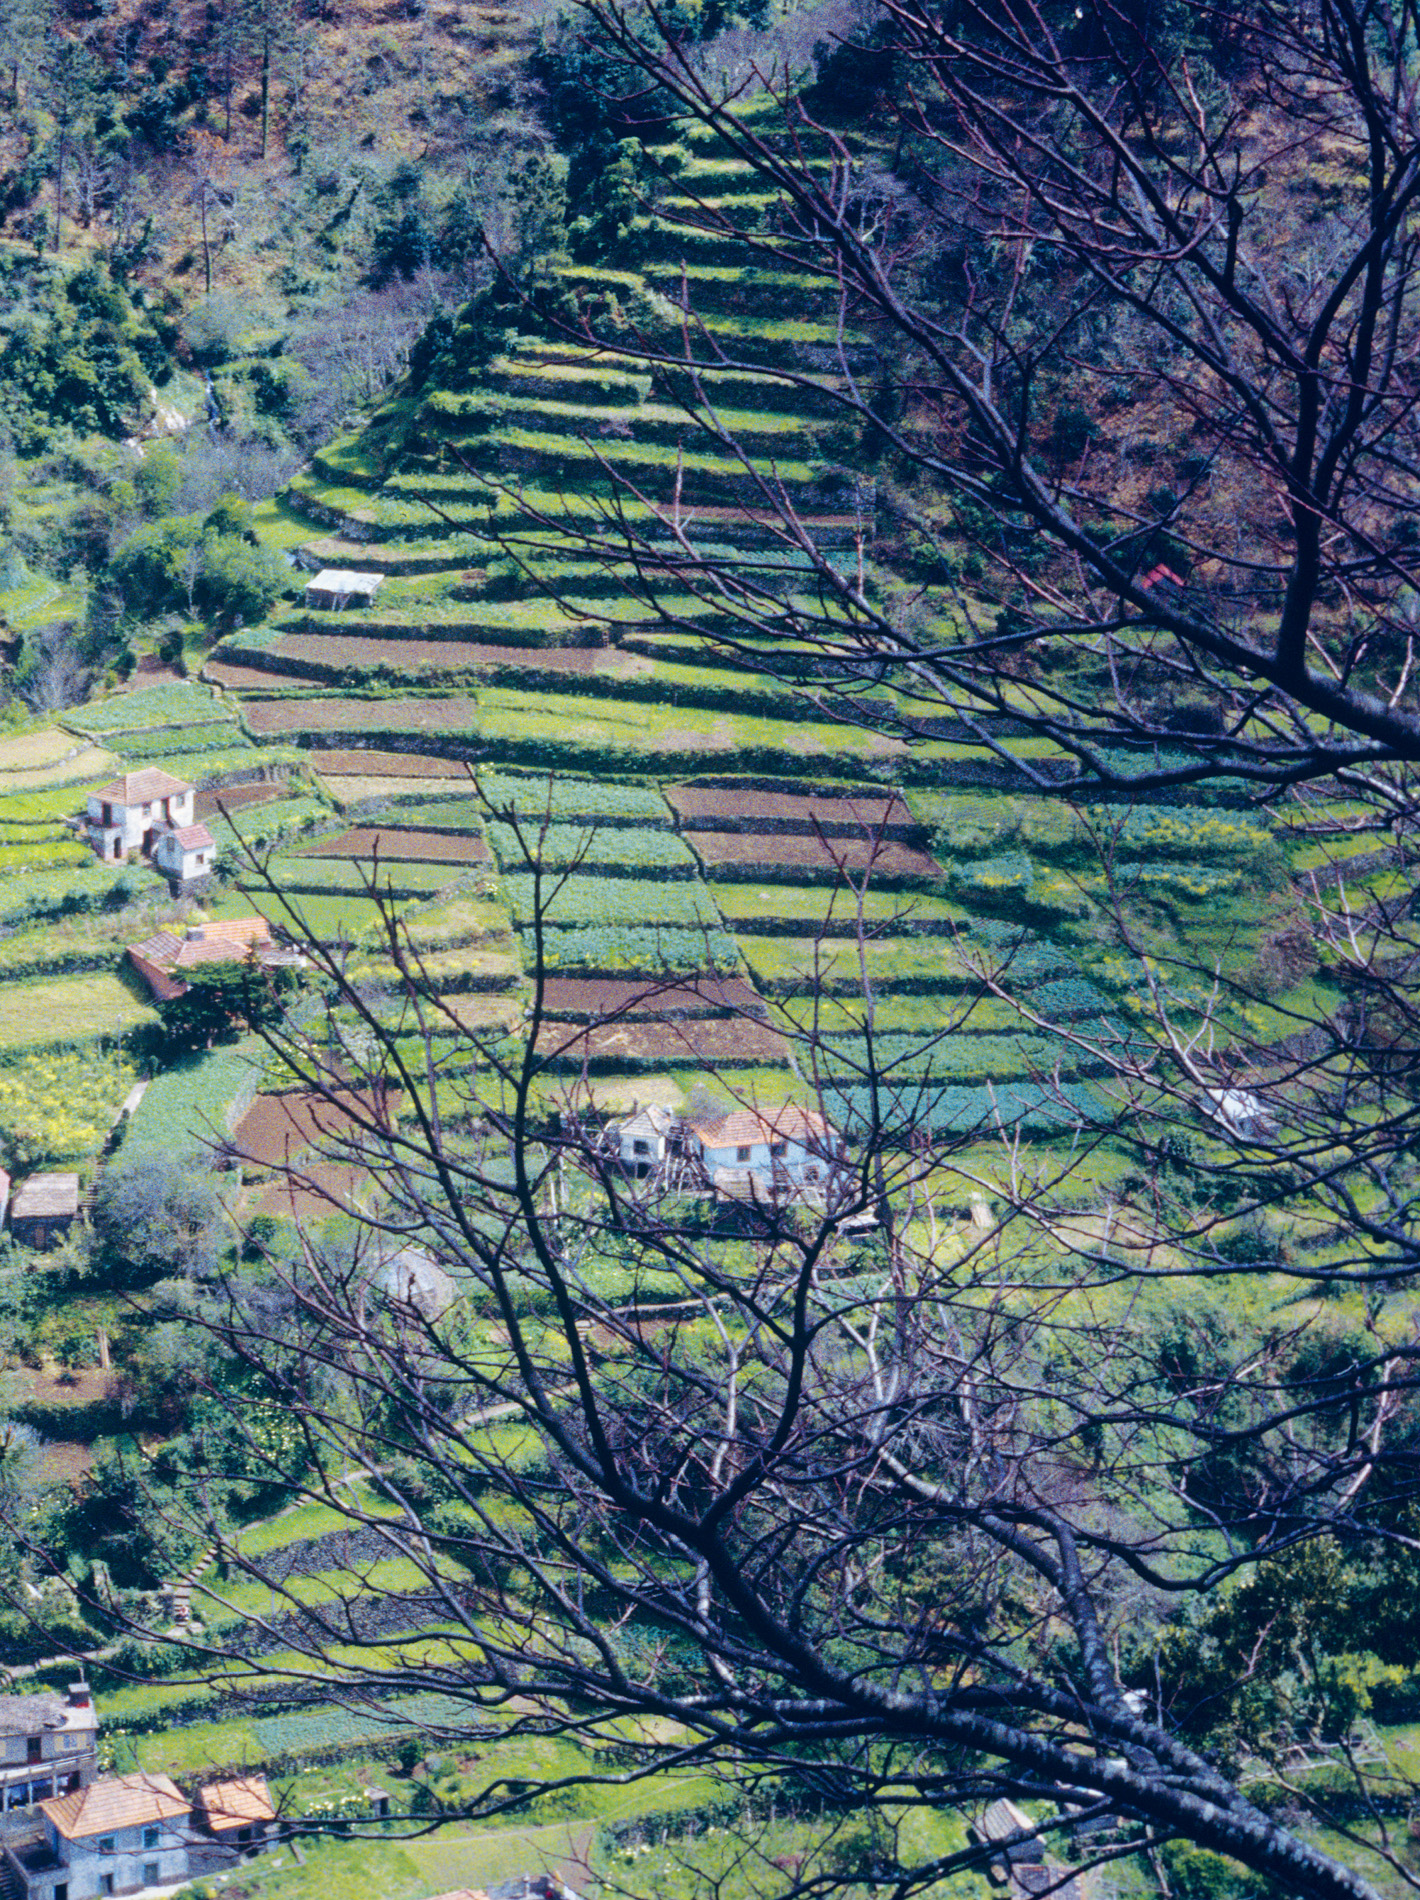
[710, 818]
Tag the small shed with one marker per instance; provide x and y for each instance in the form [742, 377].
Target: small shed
[644, 1139]
[336, 588]
[44, 1209]
[239, 1813]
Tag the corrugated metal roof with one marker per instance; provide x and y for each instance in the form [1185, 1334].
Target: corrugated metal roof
[343, 580]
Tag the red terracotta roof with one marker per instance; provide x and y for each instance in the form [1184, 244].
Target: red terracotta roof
[116, 1801]
[141, 788]
[236, 1803]
[219, 943]
[743, 1127]
[193, 837]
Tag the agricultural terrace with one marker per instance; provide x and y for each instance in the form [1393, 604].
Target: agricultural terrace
[724, 895]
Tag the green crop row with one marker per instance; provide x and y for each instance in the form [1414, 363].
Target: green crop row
[30, 895]
[345, 874]
[945, 1058]
[1030, 1107]
[44, 854]
[617, 850]
[179, 703]
[595, 901]
[791, 909]
[629, 950]
[155, 744]
[538, 796]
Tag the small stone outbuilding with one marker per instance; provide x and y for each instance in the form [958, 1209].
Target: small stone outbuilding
[413, 1277]
[43, 1210]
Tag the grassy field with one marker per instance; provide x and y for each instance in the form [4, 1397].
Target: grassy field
[72, 1009]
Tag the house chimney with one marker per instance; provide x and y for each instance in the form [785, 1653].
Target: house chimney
[196, 932]
[80, 1696]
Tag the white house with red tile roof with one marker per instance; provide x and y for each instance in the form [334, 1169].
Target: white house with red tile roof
[128, 813]
[764, 1153]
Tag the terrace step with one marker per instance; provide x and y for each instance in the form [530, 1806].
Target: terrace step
[333, 551]
[716, 291]
[704, 480]
[588, 386]
[662, 423]
[746, 527]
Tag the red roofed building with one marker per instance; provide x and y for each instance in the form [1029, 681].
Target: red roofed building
[162, 958]
[185, 853]
[764, 1154]
[120, 1833]
[128, 813]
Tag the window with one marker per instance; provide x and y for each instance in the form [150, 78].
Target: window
[148, 811]
[69, 1742]
[243, 1836]
[105, 1843]
[778, 1149]
[151, 1870]
[34, 1748]
[742, 1154]
[640, 1148]
[150, 1837]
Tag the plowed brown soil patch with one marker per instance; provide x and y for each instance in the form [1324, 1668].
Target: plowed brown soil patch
[235, 797]
[442, 655]
[479, 1012]
[609, 996]
[845, 817]
[324, 1189]
[815, 854]
[243, 679]
[362, 763]
[708, 1039]
[395, 845]
[278, 1126]
[353, 715]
